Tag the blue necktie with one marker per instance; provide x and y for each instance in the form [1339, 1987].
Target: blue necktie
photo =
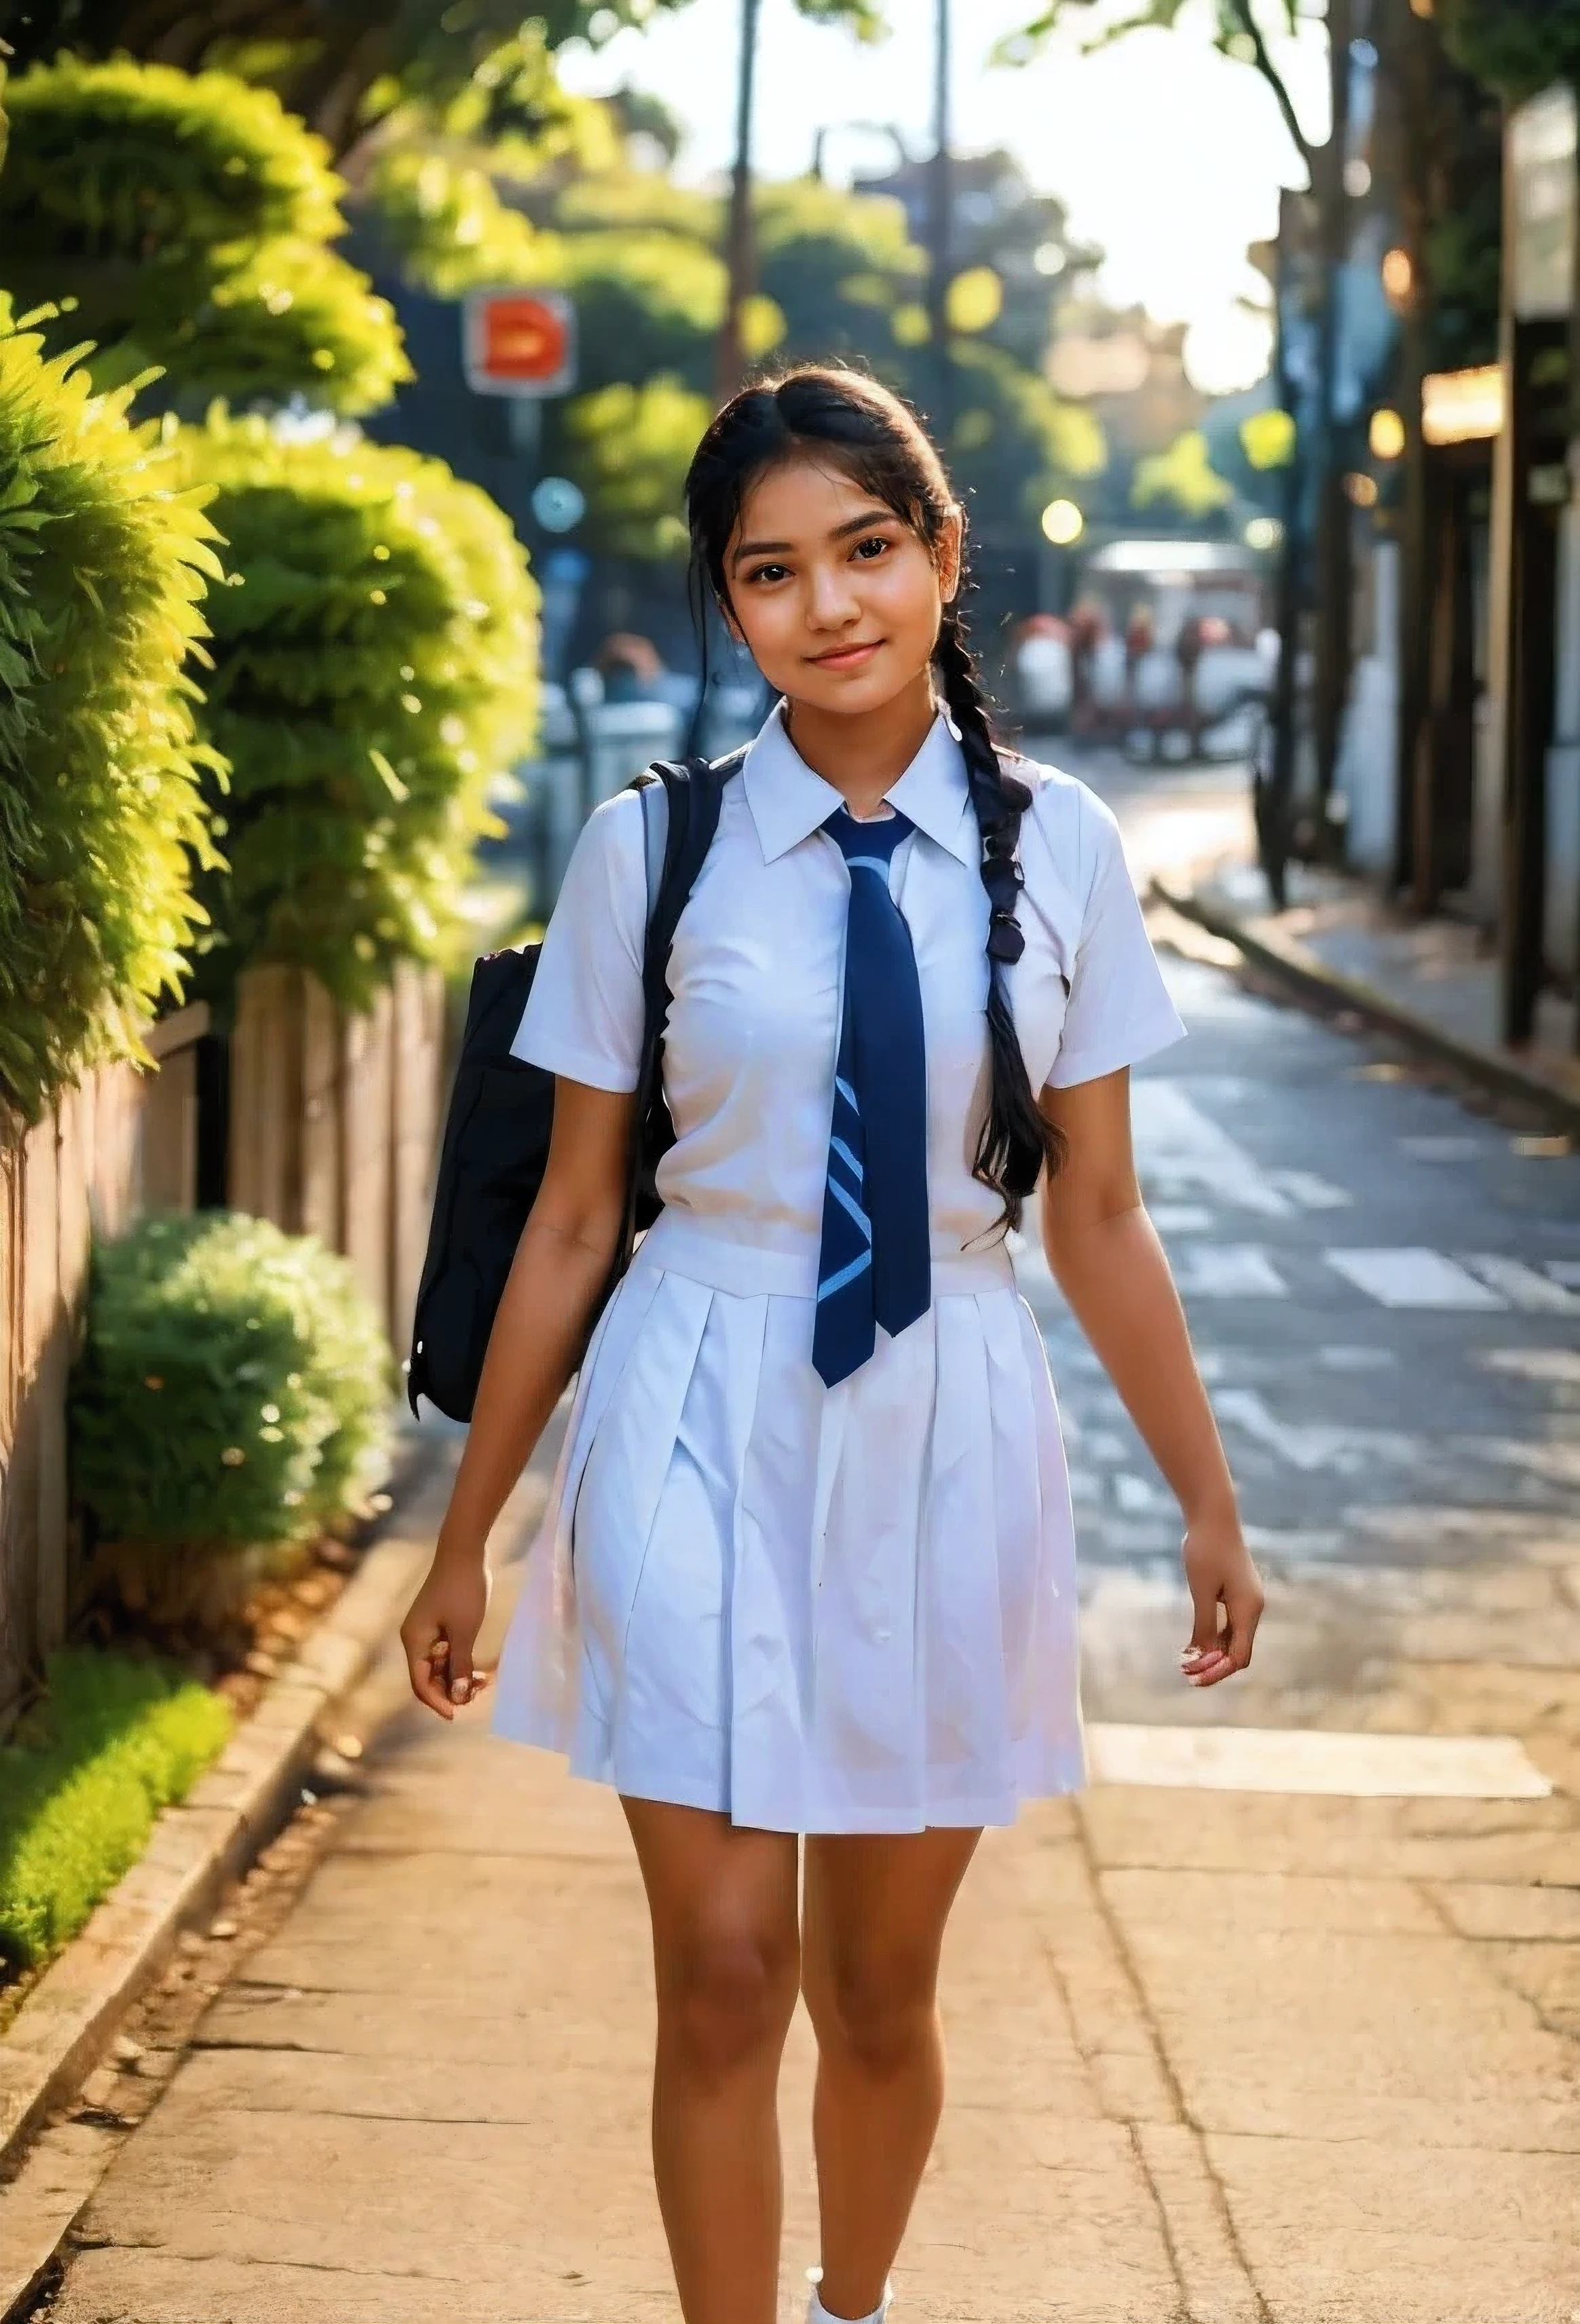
[874, 1265]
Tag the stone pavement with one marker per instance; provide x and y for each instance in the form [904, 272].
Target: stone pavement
[1215, 2057]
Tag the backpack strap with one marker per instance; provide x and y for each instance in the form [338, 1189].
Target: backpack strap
[655, 832]
[677, 834]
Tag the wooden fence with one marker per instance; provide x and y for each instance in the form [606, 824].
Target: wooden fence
[330, 1128]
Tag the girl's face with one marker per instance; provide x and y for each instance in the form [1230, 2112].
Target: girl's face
[838, 600]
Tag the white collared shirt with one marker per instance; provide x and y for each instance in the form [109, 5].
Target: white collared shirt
[755, 973]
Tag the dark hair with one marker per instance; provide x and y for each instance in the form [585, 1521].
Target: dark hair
[881, 444]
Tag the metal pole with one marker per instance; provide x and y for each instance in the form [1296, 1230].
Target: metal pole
[1273, 784]
[939, 222]
[739, 256]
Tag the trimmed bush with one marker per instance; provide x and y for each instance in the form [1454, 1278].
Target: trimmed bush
[374, 666]
[113, 1743]
[187, 217]
[104, 552]
[232, 1402]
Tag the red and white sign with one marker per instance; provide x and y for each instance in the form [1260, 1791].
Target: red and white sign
[519, 342]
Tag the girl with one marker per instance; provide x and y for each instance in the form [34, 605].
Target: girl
[809, 1566]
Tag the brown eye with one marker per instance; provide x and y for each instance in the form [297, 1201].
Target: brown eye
[876, 545]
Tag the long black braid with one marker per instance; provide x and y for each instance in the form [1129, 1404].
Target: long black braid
[882, 445]
[1017, 1137]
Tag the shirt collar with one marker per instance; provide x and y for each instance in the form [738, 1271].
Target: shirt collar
[789, 801]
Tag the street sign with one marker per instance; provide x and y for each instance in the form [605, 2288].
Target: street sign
[519, 342]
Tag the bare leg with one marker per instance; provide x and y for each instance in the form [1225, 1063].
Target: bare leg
[875, 1910]
[727, 1968]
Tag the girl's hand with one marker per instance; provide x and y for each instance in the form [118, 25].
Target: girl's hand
[1219, 1570]
[441, 1632]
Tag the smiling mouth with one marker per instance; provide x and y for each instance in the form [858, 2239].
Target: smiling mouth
[839, 655]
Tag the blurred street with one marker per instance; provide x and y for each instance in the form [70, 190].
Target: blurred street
[1267, 2039]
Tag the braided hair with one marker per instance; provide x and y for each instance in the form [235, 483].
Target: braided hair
[880, 443]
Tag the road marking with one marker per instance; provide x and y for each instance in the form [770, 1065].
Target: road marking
[1445, 1149]
[1138, 1496]
[1310, 1760]
[1180, 1218]
[1176, 1141]
[1227, 1271]
[1312, 1192]
[1314, 1446]
[1412, 1277]
[1523, 1285]
[1356, 1360]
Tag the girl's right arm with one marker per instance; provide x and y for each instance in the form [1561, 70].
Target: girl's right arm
[561, 1265]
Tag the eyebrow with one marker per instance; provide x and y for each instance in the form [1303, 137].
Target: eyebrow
[863, 524]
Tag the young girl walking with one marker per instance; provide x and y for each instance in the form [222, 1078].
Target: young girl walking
[809, 1567]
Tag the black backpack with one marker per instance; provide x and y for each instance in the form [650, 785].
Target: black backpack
[501, 1110]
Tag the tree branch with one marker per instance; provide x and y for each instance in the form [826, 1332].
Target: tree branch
[1270, 73]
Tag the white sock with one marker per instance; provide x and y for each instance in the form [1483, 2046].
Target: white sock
[817, 2314]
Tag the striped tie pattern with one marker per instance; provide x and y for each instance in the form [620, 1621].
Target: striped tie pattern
[874, 1264]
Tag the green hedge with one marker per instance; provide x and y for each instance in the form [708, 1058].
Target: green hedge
[232, 1399]
[104, 550]
[374, 665]
[187, 217]
[114, 1742]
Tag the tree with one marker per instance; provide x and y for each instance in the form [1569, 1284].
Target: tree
[340, 64]
[1518, 47]
[1184, 475]
[628, 448]
[841, 268]
[187, 220]
[1241, 30]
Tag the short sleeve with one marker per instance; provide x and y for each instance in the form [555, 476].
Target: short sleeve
[584, 1016]
[1119, 1009]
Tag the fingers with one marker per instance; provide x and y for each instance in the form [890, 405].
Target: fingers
[426, 1666]
[1213, 1653]
[1205, 1654]
[463, 1683]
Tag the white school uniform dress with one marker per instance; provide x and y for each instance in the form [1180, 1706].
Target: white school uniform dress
[818, 1609]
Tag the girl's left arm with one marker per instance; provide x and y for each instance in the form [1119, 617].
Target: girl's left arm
[1106, 1258]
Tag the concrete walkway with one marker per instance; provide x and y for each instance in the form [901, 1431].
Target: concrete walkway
[1440, 972]
[1215, 2057]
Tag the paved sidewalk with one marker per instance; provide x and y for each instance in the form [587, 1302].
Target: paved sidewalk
[1442, 973]
[1224, 2057]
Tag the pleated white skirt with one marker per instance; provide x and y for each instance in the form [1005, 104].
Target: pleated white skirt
[816, 1610]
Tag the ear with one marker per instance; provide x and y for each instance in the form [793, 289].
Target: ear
[951, 553]
[730, 622]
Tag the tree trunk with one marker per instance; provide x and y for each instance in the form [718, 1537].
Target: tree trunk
[941, 221]
[740, 255]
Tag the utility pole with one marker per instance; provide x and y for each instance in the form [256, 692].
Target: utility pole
[1331, 516]
[1273, 787]
[740, 252]
[940, 220]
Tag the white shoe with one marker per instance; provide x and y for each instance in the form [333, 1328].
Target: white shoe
[817, 2314]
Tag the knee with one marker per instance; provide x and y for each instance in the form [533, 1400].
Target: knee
[726, 1999]
[878, 2011]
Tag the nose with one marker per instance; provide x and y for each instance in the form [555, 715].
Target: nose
[832, 599]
